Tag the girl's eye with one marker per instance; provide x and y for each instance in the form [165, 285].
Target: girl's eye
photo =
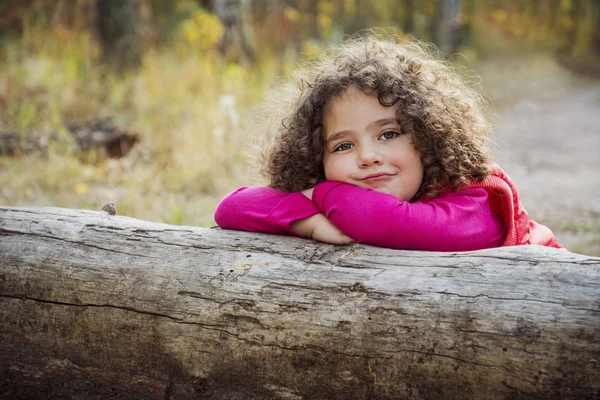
[387, 135]
[343, 146]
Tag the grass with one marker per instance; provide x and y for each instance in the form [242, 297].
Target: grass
[192, 141]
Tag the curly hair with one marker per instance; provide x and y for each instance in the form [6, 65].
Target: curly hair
[444, 114]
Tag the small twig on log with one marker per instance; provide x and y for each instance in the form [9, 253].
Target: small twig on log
[110, 208]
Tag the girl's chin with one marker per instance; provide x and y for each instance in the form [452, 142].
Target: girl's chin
[380, 189]
[384, 190]
[387, 191]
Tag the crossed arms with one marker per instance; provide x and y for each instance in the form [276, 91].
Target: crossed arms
[341, 213]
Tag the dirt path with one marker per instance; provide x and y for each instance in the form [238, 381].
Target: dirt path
[548, 140]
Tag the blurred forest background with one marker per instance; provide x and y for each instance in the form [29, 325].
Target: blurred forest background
[147, 103]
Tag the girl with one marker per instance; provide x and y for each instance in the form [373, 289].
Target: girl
[384, 145]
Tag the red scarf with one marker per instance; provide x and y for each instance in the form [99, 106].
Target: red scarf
[504, 201]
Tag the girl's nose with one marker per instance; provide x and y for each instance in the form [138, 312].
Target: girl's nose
[368, 158]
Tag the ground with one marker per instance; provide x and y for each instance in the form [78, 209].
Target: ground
[547, 124]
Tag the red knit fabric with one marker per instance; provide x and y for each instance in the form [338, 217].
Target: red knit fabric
[504, 200]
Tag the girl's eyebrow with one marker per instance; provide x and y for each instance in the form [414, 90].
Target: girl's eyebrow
[382, 122]
[336, 135]
[377, 123]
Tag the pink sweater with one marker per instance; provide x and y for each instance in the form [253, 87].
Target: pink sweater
[456, 221]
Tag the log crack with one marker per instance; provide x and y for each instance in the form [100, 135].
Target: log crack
[112, 306]
[81, 243]
[519, 300]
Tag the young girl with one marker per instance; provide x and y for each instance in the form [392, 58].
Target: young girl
[384, 145]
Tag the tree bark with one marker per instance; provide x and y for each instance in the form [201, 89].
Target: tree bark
[118, 30]
[446, 26]
[236, 43]
[96, 306]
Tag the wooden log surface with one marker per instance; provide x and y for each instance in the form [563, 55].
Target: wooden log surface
[95, 306]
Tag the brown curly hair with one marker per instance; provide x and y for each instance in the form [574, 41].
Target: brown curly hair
[444, 114]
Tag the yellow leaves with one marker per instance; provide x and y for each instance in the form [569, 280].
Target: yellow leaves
[291, 14]
[349, 7]
[235, 76]
[190, 31]
[326, 8]
[514, 23]
[80, 188]
[311, 49]
[202, 30]
[499, 16]
[325, 22]
[566, 5]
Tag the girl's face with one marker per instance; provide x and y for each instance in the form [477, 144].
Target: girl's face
[365, 147]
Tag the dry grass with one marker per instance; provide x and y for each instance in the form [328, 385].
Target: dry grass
[190, 109]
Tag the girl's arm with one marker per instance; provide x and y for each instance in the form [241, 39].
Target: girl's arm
[457, 221]
[262, 209]
[320, 228]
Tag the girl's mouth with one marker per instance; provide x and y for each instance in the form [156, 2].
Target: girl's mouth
[377, 177]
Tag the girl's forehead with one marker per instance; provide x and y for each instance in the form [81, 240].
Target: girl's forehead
[354, 109]
[349, 95]
[352, 93]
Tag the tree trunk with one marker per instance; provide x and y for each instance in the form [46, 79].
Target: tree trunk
[237, 37]
[96, 307]
[409, 17]
[446, 26]
[117, 25]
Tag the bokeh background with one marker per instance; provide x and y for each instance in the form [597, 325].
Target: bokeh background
[150, 103]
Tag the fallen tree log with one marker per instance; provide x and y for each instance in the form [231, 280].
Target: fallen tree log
[96, 306]
[99, 133]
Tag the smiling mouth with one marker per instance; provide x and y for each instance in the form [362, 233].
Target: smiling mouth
[377, 177]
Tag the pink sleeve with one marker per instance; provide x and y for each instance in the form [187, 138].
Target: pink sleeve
[262, 209]
[457, 221]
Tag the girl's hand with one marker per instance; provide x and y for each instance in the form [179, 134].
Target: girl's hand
[320, 228]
